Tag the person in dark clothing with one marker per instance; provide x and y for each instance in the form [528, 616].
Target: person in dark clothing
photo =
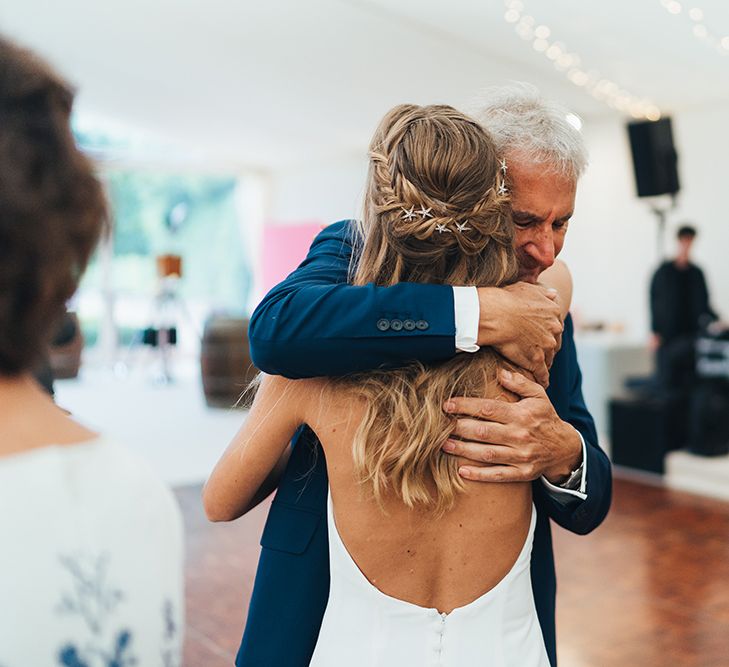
[679, 310]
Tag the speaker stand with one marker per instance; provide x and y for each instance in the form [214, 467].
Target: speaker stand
[661, 214]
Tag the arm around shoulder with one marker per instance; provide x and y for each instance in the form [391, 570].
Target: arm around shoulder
[559, 278]
[314, 323]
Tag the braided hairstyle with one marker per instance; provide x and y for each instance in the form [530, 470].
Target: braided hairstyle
[436, 211]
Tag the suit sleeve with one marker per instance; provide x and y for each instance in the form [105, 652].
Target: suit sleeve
[314, 323]
[583, 516]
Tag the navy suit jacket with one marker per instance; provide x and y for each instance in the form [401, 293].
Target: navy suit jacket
[315, 324]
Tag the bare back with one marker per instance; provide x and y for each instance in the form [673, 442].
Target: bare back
[441, 562]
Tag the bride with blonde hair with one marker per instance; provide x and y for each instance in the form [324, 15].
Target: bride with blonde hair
[426, 567]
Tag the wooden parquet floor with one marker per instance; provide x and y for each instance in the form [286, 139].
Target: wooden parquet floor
[650, 588]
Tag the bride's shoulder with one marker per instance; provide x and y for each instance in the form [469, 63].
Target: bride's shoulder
[305, 387]
[558, 277]
[297, 395]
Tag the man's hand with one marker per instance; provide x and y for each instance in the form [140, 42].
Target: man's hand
[519, 441]
[523, 323]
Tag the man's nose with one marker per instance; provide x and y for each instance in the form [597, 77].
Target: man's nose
[541, 248]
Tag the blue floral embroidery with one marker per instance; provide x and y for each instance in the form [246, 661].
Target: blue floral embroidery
[91, 597]
[169, 652]
[69, 656]
[94, 600]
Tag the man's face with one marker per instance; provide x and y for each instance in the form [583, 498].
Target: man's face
[684, 245]
[542, 204]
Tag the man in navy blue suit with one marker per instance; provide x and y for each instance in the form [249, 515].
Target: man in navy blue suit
[315, 324]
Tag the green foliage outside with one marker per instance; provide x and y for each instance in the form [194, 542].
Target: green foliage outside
[208, 238]
[191, 215]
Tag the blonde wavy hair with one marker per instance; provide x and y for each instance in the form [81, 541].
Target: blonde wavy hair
[442, 166]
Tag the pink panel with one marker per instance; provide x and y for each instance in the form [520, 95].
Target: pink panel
[284, 248]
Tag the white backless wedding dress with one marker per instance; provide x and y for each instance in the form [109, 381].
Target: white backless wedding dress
[364, 627]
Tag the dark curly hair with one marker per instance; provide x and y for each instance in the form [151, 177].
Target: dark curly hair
[52, 207]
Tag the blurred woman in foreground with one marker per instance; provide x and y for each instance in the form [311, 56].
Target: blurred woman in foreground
[91, 557]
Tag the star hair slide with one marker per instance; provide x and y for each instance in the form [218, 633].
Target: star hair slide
[408, 213]
[503, 166]
[424, 212]
[502, 189]
[462, 226]
[440, 228]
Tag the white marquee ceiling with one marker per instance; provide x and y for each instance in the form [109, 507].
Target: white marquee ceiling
[282, 81]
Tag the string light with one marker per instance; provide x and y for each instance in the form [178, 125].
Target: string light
[570, 63]
[714, 40]
[673, 7]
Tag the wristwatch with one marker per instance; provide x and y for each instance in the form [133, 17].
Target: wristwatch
[575, 479]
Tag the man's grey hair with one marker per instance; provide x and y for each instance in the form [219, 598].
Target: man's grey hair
[526, 126]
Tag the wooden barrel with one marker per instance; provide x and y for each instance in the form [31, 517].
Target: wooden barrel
[225, 361]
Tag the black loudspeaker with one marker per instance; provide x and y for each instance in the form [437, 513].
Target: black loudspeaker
[655, 159]
[709, 426]
[642, 430]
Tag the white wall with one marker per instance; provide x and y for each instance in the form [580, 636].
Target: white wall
[250, 200]
[703, 144]
[612, 242]
[317, 192]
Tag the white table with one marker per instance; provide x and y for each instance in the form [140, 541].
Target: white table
[606, 360]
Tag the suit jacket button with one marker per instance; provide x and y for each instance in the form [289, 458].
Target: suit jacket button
[408, 325]
[383, 325]
[421, 325]
[396, 325]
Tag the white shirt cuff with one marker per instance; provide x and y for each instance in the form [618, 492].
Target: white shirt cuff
[580, 492]
[467, 311]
